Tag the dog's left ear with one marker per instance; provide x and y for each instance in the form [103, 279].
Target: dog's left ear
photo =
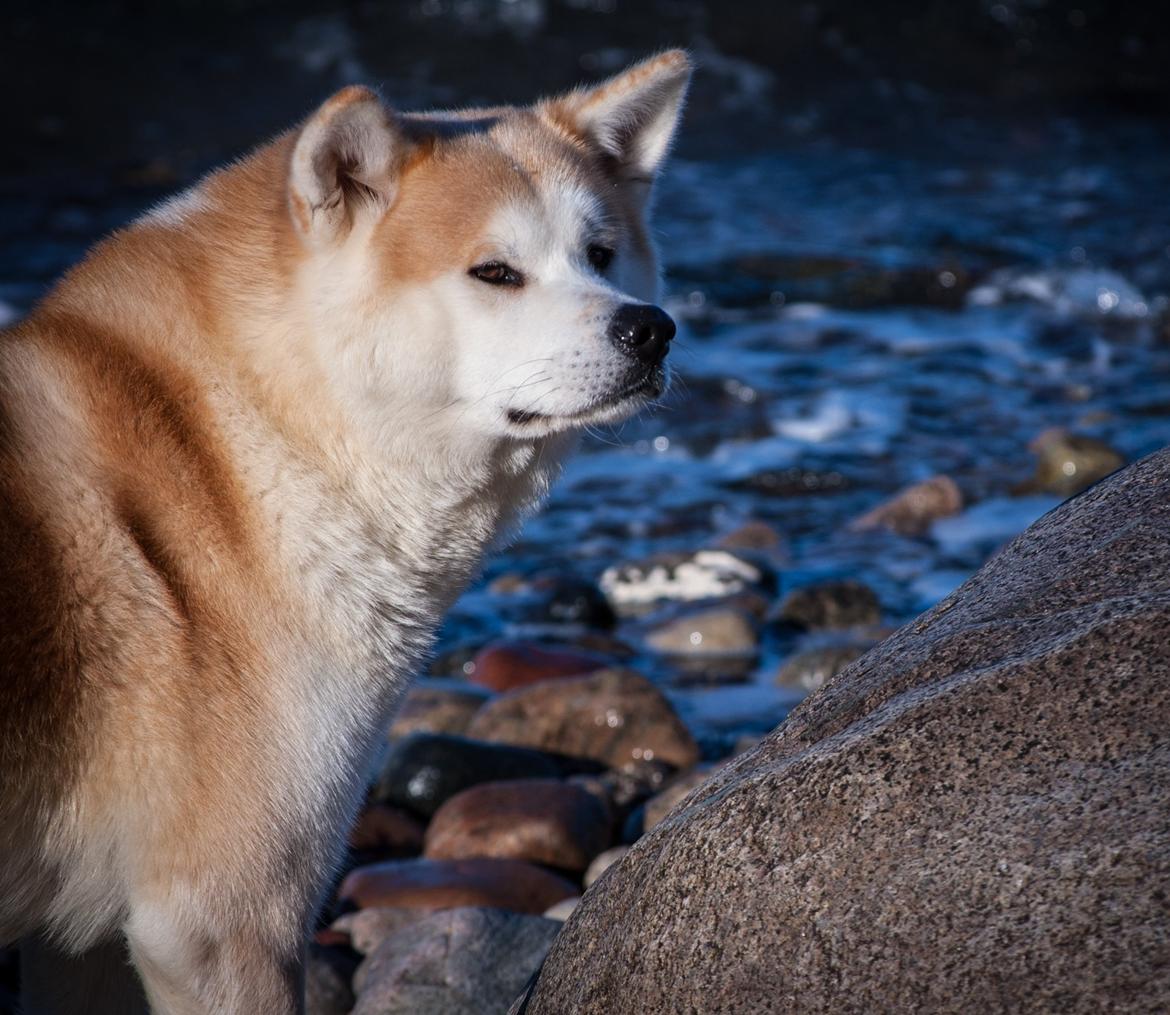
[345, 164]
[631, 117]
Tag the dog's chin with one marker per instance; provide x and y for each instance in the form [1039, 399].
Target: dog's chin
[612, 408]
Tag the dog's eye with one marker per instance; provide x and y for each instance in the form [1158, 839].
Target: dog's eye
[497, 273]
[599, 256]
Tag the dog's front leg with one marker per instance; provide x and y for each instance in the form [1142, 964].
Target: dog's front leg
[251, 968]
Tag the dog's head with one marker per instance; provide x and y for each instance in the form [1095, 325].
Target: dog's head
[492, 264]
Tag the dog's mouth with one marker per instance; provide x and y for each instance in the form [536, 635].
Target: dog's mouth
[650, 386]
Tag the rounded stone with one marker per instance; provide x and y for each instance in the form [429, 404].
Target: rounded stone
[661, 804]
[436, 710]
[602, 862]
[913, 510]
[443, 884]
[505, 666]
[563, 909]
[972, 819]
[543, 820]
[423, 770]
[812, 668]
[614, 716]
[1067, 463]
[831, 605]
[717, 630]
[385, 828]
[365, 929]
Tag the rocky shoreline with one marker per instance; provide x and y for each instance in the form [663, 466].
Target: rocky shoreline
[506, 793]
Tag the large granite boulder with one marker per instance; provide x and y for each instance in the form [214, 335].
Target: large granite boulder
[975, 816]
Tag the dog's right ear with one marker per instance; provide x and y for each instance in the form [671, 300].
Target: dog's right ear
[345, 164]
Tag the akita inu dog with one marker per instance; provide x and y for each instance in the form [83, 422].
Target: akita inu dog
[250, 451]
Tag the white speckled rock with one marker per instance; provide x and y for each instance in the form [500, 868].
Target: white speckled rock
[634, 587]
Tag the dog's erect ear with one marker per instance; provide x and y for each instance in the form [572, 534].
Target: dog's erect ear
[345, 164]
[631, 117]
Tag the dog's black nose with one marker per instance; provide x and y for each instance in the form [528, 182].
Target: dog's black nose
[642, 330]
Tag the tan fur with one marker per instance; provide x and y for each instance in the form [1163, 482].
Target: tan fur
[221, 556]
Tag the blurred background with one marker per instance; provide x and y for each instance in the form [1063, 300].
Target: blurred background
[906, 244]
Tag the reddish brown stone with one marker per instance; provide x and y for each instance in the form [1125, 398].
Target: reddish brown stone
[543, 820]
[505, 666]
[614, 716]
[444, 884]
[329, 936]
[380, 826]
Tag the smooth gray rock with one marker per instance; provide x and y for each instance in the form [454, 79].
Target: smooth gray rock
[468, 961]
[974, 817]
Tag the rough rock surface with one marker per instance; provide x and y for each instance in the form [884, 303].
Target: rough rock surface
[613, 717]
[973, 817]
[468, 961]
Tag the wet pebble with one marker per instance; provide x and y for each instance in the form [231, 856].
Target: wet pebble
[912, 511]
[831, 605]
[425, 769]
[622, 788]
[1068, 463]
[567, 599]
[811, 669]
[602, 862]
[384, 828]
[465, 961]
[657, 807]
[505, 666]
[546, 821]
[442, 884]
[715, 630]
[563, 909]
[613, 716]
[436, 710]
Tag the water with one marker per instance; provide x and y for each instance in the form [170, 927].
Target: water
[864, 320]
[865, 300]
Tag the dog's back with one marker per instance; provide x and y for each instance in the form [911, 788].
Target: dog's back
[103, 463]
